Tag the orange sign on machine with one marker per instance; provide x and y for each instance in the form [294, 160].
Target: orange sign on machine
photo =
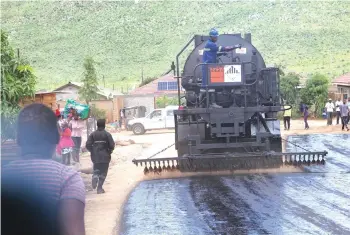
[217, 75]
[226, 74]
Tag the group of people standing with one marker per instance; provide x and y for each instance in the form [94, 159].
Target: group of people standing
[342, 109]
[288, 114]
[70, 129]
[99, 143]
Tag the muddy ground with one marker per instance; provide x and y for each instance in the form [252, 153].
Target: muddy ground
[104, 212]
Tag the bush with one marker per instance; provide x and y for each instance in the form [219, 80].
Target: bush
[288, 85]
[17, 84]
[97, 113]
[8, 122]
[163, 101]
[316, 92]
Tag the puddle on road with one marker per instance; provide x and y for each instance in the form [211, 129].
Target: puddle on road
[287, 203]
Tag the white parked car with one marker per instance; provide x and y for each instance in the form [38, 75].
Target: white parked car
[157, 119]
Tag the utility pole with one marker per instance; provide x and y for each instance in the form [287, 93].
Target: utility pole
[142, 74]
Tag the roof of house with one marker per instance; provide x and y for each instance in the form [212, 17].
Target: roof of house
[342, 80]
[106, 92]
[152, 87]
[43, 92]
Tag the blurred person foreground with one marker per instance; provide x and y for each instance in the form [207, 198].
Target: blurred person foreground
[39, 195]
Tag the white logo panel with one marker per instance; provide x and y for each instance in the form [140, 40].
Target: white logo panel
[241, 50]
[233, 73]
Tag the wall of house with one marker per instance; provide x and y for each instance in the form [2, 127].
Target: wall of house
[118, 103]
[48, 99]
[72, 93]
[140, 100]
[339, 91]
[344, 89]
[107, 106]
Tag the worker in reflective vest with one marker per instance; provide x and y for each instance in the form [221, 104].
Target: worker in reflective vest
[286, 116]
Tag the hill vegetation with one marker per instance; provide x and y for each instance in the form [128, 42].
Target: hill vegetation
[125, 38]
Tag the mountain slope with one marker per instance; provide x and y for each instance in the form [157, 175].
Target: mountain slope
[125, 37]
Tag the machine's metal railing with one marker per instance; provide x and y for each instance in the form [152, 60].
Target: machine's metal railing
[278, 159]
[178, 68]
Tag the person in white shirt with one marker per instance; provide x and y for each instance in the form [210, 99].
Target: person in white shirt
[77, 130]
[121, 118]
[338, 103]
[329, 109]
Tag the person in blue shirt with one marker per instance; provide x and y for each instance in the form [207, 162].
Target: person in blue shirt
[211, 51]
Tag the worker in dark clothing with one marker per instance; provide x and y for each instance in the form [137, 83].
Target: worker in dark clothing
[210, 52]
[344, 111]
[101, 145]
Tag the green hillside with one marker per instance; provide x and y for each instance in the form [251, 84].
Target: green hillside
[123, 37]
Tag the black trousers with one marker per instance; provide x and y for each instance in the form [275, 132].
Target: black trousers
[344, 122]
[100, 171]
[77, 142]
[286, 122]
[306, 123]
[338, 117]
[77, 145]
[329, 118]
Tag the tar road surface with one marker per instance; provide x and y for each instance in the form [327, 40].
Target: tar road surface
[317, 202]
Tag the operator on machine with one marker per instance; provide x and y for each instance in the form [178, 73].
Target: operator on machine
[211, 51]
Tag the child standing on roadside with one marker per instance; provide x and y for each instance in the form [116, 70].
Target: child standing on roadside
[66, 144]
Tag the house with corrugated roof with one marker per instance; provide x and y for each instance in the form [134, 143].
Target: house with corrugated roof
[108, 100]
[146, 95]
[71, 91]
[166, 85]
[340, 87]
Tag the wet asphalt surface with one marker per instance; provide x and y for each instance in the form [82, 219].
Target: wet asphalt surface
[314, 202]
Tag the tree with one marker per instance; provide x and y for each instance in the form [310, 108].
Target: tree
[89, 89]
[281, 69]
[164, 101]
[315, 92]
[97, 113]
[288, 85]
[17, 83]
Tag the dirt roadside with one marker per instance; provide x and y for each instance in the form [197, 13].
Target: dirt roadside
[103, 212]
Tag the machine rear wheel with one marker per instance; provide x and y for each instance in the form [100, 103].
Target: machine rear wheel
[138, 129]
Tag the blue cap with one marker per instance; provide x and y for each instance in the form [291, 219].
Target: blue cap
[213, 33]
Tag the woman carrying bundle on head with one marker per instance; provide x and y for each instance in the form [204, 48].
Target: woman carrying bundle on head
[66, 144]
